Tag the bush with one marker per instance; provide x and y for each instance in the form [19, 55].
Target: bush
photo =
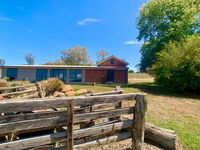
[51, 85]
[178, 66]
[3, 83]
[130, 71]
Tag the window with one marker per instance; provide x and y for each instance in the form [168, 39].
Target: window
[12, 73]
[59, 73]
[75, 75]
[41, 74]
[112, 61]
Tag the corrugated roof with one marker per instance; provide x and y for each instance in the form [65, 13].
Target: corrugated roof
[62, 66]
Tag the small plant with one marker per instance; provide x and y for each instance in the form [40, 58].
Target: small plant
[51, 85]
[3, 83]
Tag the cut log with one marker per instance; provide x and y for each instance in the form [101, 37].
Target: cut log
[103, 141]
[16, 87]
[105, 93]
[22, 105]
[18, 92]
[153, 134]
[162, 137]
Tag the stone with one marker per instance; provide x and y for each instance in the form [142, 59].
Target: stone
[81, 91]
[70, 93]
[1, 98]
[59, 94]
[67, 88]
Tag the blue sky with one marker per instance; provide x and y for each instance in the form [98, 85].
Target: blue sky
[45, 27]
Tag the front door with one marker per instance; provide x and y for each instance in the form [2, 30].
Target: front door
[110, 75]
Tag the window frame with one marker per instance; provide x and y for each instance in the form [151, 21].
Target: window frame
[10, 74]
[55, 73]
[43, 75]
[73, 75]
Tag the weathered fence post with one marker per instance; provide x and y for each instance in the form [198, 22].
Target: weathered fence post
[139, 122]
[70, 125]
[39, 89]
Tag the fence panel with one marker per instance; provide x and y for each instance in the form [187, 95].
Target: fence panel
[46, 123]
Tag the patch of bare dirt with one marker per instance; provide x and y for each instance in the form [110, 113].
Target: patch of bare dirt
[123, 145]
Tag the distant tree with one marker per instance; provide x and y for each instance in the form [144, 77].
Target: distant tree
[76, 56]
[162, 21]
[30, 59]
[130, 71]
[178, 66]
[2, 62]
[101, 54]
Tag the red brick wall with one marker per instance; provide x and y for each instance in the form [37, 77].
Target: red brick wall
[98, 75]
[95, 75]
[120, 76]
[116, 63]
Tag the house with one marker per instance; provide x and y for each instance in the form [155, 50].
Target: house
[110, 70]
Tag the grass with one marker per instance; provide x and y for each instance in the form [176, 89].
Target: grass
[165, 108]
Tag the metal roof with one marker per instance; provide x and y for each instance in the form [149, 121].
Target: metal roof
[63, 66]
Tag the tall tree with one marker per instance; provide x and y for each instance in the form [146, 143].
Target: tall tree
[2, 62]
[162, 21]
[30, 59]
[76, 56]
[101, 54]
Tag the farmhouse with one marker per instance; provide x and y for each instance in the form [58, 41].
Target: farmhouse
[110, 70]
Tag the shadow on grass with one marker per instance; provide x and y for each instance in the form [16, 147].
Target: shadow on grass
[152, 88]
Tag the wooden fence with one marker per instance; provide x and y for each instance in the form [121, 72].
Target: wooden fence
[66, 115]
[22, 90]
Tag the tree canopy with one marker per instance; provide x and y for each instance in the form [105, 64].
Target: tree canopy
[2, 62]
[76, 56]
[30, 59]
[178, 65]
[102, 54]
[162, 21]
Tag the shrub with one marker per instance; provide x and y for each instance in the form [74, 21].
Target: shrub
[178, 66]
[3, 83]
[51, 85]
[130, 71]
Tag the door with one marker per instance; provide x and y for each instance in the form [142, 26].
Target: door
[110, 75]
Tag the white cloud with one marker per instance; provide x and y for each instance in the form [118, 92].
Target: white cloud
[133, 42]
[5, 19]
[86, 20]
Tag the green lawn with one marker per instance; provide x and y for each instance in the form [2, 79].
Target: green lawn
[165, 108]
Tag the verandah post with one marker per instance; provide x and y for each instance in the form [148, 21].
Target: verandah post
[139, 122]
[70, 123]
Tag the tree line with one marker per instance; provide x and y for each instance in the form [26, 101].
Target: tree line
[77, 55]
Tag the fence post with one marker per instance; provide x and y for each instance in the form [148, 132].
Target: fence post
[139, 122]
[70, 123]
[39, 89]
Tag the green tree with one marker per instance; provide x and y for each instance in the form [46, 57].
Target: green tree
[161, 21]
[2, 62]
[178, 65]
[30, 59]
[76, 56]
[130, 71]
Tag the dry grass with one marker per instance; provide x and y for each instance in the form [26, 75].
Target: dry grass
[165, 109]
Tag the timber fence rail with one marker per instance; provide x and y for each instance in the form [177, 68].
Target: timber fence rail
[22, 90]
[34, 127]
